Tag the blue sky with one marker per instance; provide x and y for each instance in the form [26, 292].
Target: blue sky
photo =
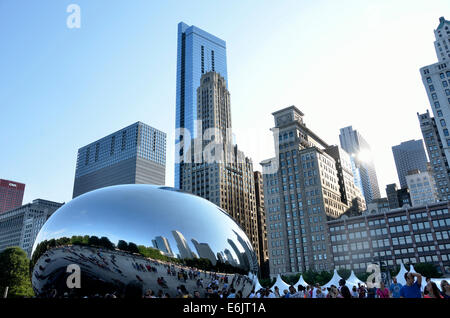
[341, 62]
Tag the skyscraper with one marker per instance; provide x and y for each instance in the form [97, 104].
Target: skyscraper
[11, 195]
[20, 226]
[134, 154]
[436, 79]
[314, 183]
[422, 187]
[409, 155]
[198, 52]
[364, 169]
[262, 225]
[435, 150]
[214, 167]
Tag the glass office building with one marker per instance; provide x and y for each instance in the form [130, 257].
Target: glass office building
[134, 154]
[198, 52]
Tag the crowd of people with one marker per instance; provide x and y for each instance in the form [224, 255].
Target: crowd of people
[412, 289]
[195, 283]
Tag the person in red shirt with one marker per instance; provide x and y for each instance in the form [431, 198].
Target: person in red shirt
[433, 291]
[382, 292]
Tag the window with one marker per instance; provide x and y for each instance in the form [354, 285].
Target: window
[443, 122]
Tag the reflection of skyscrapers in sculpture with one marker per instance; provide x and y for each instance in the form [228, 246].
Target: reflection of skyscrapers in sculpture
[183, 248]
[352, 142]
[242, 260]
[162, 244]
[229, 257]
[253, 260]
[204, 251]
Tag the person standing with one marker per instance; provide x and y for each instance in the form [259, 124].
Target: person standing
[361, 291]
[445, 289]
[382, 292]
[394, 289]
[345, 292]
[412, 287]
[371, 291]
[355, 292]
[277, 292]
[433, 291]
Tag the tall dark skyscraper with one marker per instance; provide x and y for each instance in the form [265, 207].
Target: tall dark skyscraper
[357, 147]
[11, 195]
[409, 155]
[198, 52]
[135, 154]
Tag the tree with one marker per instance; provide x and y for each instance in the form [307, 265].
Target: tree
[14, 273]
[344, 273]
[132, 248]
[106, 243]
[122, 245]
[94, 241]
[427, 270]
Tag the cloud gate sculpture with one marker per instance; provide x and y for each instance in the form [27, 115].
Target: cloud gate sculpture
[139, 238]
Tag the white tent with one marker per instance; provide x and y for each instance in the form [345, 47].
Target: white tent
[334, 280]
[411, 269]
[301, 281]
[256, 283]
[353, 281]
[401, 275]
[280, 284]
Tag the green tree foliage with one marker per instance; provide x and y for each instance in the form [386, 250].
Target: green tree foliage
[291, 279]
[427, 270]
[105, 242]
[267, 282]
[344, 273]
[363, 276]
[14, 273]
[132, 248]
[122, 245]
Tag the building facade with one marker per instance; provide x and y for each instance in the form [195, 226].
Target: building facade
[409, 155]
[262, 226]
[436, 79]
[11, 195]
[378, 205]
[438, 161]
[198, 52]
[422, 188]
[413, 235]
[307, 183]
[133, 155]
[364, 169]
[20, 226]
[397, 198]
[214, 168]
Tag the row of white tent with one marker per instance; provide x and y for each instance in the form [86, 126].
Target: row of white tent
[350, 282]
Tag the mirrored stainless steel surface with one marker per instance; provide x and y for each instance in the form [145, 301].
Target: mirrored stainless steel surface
[132, 235]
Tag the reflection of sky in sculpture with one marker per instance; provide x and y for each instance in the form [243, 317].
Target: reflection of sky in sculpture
[140, 213]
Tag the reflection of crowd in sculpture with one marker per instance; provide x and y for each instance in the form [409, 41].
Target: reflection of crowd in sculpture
[160, 279]
[115, 262]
